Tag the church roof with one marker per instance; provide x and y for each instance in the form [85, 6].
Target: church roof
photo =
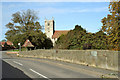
[57, 34]
[27, 44]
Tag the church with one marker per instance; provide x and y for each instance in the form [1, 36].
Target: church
[51, 32]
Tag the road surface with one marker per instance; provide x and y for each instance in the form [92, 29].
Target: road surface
[33, 68]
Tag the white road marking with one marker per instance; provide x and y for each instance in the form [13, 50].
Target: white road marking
[39, 74]
[18, 63]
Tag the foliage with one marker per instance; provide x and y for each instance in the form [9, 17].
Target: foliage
[38, 39]
[7, 47]
[23, 22]
[3, 40]
[24, 26]
[107, 38]
[111, 25]
[79, 38]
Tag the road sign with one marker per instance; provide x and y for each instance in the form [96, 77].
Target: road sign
[94, 53]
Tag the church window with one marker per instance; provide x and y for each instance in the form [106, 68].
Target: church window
[48, 24]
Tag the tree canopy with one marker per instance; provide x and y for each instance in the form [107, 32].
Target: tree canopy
[24, 26]
[111, 25]
[79, 38]
[22, 22]
[107, 38]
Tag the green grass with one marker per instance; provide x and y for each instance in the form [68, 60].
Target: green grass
[16, 50]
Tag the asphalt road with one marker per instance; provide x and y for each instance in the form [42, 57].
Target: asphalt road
[31, 68]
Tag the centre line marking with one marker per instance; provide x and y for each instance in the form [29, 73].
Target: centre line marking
[18, 63]
[39, 74]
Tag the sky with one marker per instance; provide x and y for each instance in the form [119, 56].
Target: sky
[66, 14]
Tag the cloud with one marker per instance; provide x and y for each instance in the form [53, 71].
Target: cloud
[56, 0]
[51, 11]
[48, 11]
[102, 9]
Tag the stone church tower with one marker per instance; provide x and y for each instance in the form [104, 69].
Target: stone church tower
[51, 32]
[49, 28]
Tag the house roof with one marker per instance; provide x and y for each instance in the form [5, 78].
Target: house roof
[2, 43]
[27, 44]
[57, 34]
[8, 43]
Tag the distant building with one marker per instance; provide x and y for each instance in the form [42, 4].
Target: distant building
[51, 32]
[8, 43]
[28, 45]
[4, 45]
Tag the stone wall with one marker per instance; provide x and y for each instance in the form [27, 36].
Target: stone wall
[98, 58]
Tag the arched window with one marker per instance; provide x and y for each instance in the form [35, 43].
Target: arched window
[48, 24]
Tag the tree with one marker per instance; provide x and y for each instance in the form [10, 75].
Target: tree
[79, 38]
[100, 40]
[46, 45]
[6, 47]
[25, 26]
[111, 25]
[4, 40]
[24, 21]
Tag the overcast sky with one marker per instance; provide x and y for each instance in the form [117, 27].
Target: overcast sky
[66, 14]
